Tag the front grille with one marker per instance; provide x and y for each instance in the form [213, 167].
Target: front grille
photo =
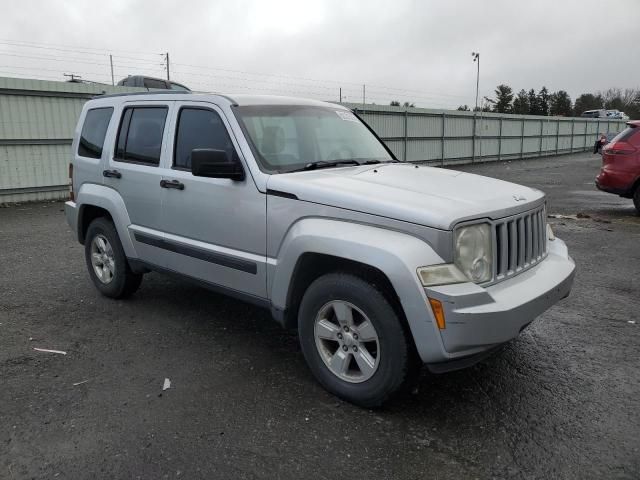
[521, 242]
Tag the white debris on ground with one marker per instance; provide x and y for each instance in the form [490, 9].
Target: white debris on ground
[166, 385]
[49, 351]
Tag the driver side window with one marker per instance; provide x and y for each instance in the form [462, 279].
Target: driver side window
[199, 128]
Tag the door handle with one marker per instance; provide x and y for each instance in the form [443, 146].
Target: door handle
[111, 173]
[172, 184]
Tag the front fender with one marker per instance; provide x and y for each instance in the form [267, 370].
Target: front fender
[109, 199]
[396, 254]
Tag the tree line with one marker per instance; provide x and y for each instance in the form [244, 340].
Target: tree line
[559, 103]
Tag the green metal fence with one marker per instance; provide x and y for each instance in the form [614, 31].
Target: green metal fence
[37, 121]
[448, 137]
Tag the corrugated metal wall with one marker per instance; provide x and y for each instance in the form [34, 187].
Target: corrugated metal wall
[449, 137]
[37, 121]
[38, 118]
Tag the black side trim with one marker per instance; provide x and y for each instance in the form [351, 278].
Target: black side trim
[217, 258]
[143, 266]
[36, 141]
[278, 193]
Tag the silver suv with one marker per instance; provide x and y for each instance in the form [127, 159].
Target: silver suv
[297, 206]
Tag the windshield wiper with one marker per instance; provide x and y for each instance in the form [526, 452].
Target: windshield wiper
[325, 164]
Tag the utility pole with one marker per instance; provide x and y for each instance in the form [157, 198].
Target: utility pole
[167, 60]
[111, 62]
[72, 77]
[476, 58]
[364, 96]
[340, 94]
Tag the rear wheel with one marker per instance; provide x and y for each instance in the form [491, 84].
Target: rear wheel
[106, 261]
[353, 340]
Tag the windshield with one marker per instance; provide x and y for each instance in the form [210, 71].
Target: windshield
[286, 138]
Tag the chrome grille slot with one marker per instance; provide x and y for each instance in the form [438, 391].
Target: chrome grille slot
[520, 243]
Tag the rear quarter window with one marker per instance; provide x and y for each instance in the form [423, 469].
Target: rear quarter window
[94, 131]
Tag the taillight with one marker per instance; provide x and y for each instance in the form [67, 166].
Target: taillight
[72, 196]
[620, 148]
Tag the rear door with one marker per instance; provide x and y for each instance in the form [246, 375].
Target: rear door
[133, 170]
[215, 228]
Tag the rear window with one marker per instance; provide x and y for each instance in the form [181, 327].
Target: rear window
[140, 135]
[625, 135]
[94, 130]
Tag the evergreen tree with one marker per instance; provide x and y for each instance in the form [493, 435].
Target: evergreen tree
[521, 103]
[504, 97]
[560, 103]
[543, 101]
[395, 103]
[534, 105]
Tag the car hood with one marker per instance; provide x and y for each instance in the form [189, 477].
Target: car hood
[428, 196]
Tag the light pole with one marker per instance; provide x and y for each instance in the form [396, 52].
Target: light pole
[476, 58]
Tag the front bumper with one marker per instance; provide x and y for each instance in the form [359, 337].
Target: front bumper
[480, 319]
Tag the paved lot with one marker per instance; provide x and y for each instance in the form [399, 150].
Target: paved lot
[562, 401]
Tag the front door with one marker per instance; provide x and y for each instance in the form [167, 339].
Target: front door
[214, 228]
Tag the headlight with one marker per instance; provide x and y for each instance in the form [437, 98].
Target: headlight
[473, 252]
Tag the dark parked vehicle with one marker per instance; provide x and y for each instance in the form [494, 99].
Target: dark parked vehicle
[151, 82]
[620, 173]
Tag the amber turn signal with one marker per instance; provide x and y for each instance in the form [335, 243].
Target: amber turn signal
[438, 312]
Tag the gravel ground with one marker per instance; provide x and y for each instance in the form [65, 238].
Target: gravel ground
[561, 401]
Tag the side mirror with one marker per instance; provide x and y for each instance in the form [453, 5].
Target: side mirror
[207, 162]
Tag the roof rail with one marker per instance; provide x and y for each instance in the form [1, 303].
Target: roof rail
[148, 92]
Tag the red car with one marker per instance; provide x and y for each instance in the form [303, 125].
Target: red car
[620, 173]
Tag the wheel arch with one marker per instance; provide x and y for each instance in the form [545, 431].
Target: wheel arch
[312, 265]
[95, 201]
[316, 246]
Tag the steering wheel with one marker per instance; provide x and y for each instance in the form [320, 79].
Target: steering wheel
[342, 153]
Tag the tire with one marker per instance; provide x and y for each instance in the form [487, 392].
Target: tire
[328, 298]
[636, 199]
[102, 240]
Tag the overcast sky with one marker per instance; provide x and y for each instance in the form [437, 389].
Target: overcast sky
[407, 50]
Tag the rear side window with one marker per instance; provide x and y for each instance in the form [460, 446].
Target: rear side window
[153, 83]
[94, 130]
[199, 128]
[140, 135]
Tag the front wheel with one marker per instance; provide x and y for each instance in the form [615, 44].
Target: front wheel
[106, 261]
[636, 199]
[353, 340]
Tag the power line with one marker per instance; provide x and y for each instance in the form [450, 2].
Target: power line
[279, 83]
[107, 51]
[73, 51]
[69, 60]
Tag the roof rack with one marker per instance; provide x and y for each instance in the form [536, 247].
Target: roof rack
[148, 92]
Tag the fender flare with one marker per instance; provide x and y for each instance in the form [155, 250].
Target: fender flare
[397, 255]
[110, 200]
